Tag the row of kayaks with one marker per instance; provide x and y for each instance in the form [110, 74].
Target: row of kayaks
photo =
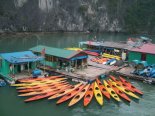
[105, 61]
[57, 87]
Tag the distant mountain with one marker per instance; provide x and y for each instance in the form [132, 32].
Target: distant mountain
[136, 16]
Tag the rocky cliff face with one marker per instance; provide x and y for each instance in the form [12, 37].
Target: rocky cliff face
[63, 15]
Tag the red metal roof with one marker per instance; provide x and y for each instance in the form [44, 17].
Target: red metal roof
[145, 48]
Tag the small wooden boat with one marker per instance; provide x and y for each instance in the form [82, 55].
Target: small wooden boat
[64, 92]
[79, 96]
[102, 89]
[89, 95]
[119, 92]
[133, 87]
[44, 95]
[70, 94]
[122, 84]
[98, 94]
[124, 90]
[111, 91]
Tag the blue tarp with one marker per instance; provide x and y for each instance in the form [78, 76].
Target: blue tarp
[21, 57]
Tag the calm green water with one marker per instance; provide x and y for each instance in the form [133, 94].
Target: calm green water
[12, 105]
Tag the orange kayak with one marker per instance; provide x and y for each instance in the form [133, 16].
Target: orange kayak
[89, 95]
[122, 84]
[79, 96]
[119, 92]
[64, 92]
[70, 94]
[44, 95]
[43, 91]
[43, 87]
[102, 89]
[39, 79]
[129, 84]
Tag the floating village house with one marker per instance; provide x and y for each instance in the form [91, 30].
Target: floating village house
[146, 52]
[114, 48]
[62, 59]
[15, 64]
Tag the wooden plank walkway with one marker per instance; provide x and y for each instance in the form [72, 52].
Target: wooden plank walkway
[88, 74]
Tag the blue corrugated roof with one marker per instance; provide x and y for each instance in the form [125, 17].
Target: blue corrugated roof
[21, 57]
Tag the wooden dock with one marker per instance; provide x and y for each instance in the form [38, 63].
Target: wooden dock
[88, 74]
[126, 72]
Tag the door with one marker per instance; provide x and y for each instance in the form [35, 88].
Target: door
[143, 57]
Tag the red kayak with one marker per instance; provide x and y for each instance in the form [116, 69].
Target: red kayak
[120, 93]
[44, 95]
[129, 84]
[70, 94]
[122, 84]
[89, 95]
[102, 89]
[91, 53]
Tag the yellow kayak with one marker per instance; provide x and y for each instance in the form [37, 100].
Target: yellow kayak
[36, 83]
[110, 56]
[43, 91]
[42, 85]
[79, 96]
[75, 49]
[111, 91]
[98, 94]
[124, 90]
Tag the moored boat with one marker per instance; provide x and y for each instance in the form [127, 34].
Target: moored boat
[70, 94]
[102, 89]
[89, 95]
[124, 90]
[98, 94]
[133, 87]
[111, 91]
[79, 96]
[119, 92]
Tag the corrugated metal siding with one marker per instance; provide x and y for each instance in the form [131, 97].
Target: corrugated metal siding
[134, 56]
[150, 58]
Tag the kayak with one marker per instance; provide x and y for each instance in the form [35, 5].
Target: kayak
[40, 79]
[91, 53]
[98, 94]
[43, 87]
[122, 84]
[36, 83]
[43, 91]
[70, 94]
[133, 87]
[124, 90]
[111, 91]
[102, 89]
[44, 95]
[79, 96]
[89, 95]
[119, 92]
[74, 49]
[64, 92]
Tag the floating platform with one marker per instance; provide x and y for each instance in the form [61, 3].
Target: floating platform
[126, 72]
[88, 74]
